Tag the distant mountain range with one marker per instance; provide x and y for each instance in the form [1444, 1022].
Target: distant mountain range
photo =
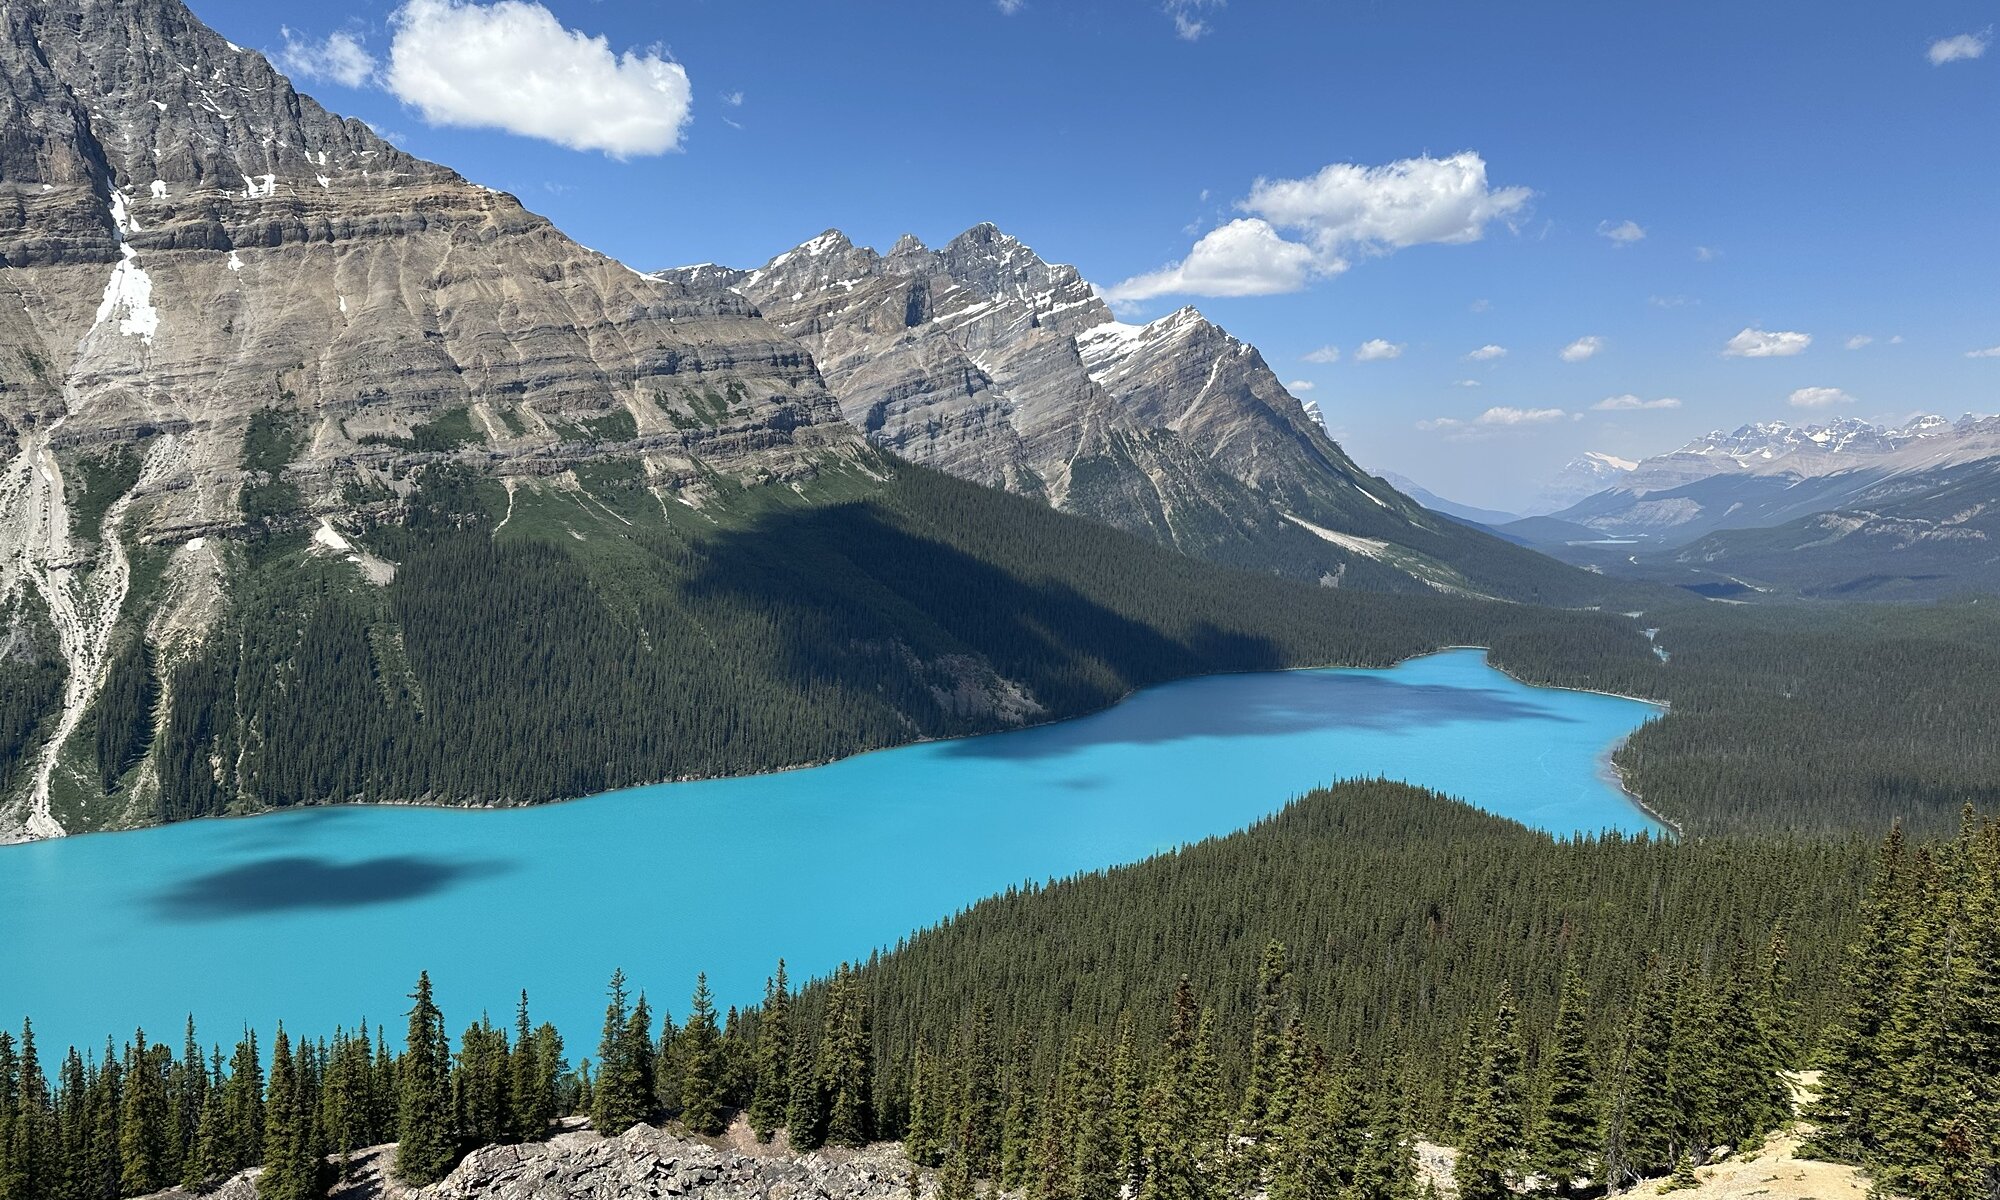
[1844, 508]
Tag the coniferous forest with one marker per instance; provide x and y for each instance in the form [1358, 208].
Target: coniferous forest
[793, 633]
[1286, 1009]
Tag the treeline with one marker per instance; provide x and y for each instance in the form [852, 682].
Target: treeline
[1166, 1116]
[1911, 1088]
[142, 1118]
[935, 608]
[1406, 913]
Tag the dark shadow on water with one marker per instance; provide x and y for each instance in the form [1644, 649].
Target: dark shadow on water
[1260, 705]
[297, 882]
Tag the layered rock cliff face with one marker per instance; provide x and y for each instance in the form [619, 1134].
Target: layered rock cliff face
[188, 241]
[983, 360]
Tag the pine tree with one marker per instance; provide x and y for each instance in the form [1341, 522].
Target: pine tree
[701, 1065]
[1641, 1129]
[425, 1146]
[772, 1089]
[1567, 1122]
[1489, 1147]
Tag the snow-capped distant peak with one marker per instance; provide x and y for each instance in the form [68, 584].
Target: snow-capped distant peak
[1610, 462]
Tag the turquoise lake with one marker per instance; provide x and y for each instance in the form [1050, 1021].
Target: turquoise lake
[323, 917]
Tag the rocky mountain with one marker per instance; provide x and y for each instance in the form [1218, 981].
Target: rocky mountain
[1450, 508]
[1843, 509]
[1582, 476]
[327, 474]
[186, 241]
[1916, 535]
[982, 359]
[1771, 472]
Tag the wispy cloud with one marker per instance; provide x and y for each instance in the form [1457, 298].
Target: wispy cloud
[1624, 233]
[339, 58]
[1325, 354]
[1631, 403]
[1760, 343]
[1859, 340]
[1300, 385]
[1988, 352]
[1189, 24]
[1961, 48]
[1487, 353]
[1582, 348]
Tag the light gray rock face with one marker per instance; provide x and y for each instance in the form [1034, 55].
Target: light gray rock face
[648, 1164]
[985, 361]
[185, 240]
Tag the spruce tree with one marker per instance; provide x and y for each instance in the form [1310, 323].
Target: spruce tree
[701, 1065]
[425, 1144]
[771, 1089]
[846, 1063]
[1181, 1127]
[1567, 1121]
[144, 1137]
[290, 1167]
[622, 1093]
[1491, 1115]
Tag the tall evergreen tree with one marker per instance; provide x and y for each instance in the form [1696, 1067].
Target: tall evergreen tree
[772, 1088]
[701, 1065]
[1492, 1117]
[426, 1147]
[1567, 1123]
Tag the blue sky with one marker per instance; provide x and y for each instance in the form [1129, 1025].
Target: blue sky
[1820, 168]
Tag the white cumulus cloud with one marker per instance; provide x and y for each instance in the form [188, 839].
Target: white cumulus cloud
[1819, 397]
[1582, 348]
[1958, 49]
[1243, 258]
[341, 58]
[512, 66]
[1631, 403]
[1300, 385]
[1759, 343]
[1624, 233]
[1325, 354]
[1300, 229]
[1487, 353]
[1988, 352]
[1377, 349]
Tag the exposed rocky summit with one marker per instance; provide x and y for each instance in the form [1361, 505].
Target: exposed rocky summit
[186, 241]
[984, 360]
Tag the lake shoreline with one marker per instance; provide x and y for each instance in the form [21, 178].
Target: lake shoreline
[1616, 776]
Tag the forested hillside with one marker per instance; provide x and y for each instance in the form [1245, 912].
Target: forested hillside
[1287, 1008]
[611, 640]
